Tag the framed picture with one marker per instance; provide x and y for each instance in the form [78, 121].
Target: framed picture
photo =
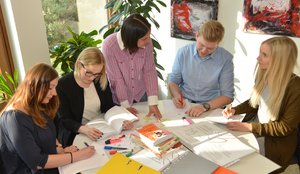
[188, 15]
[276, 17]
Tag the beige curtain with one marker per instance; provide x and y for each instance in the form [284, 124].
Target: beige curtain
[6, 63]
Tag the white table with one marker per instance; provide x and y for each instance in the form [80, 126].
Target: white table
[246, 165]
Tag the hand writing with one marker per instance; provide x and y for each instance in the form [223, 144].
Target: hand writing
[228, 111]
[179, 102]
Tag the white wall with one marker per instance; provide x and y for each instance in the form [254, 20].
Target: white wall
[91, 15]
[27, 33]
[244, 46]
[31, 34]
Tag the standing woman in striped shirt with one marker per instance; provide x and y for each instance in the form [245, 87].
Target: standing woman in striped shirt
[130, 65]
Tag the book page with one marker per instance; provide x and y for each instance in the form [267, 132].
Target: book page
[116, 115]
[196, 133]
[95, 161]
[223, 150]
[217, 116]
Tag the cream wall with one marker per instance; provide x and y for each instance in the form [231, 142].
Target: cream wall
[27, 33]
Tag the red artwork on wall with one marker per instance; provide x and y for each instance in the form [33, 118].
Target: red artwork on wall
[277, 17]
[188, 15]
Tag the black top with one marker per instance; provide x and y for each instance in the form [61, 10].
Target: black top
[70, 112]
[23, 145]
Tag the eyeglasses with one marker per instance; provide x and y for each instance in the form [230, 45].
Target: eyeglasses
[90, 74]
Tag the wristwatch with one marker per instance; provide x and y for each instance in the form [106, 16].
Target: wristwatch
[206, 106]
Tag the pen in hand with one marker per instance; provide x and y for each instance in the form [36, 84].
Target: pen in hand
[228, 107]
[87, 145]
[228, 111]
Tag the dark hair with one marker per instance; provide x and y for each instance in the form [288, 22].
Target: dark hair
[134, 28]
[32, 91]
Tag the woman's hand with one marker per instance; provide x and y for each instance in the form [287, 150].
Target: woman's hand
[239, 126]
[127, 125]
[91, 132]
[153, 110]
[83, 153]
[228, 112]
[133, 111]
[195, 111]
[70, 149]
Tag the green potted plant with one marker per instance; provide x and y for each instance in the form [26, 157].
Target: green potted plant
[65, 53]
[8, 86]
[120, 9]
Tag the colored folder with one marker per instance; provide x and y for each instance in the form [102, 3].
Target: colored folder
[123, 165]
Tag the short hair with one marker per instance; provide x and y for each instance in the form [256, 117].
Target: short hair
[212, 31]
[32, 91]
[93, 56]
[134, 28]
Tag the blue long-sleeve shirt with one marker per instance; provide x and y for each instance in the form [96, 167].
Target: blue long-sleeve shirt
[203, 79]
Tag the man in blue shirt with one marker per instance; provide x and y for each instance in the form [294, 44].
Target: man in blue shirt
[203, 72]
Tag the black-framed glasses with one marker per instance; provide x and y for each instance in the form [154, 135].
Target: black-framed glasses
[90, 74]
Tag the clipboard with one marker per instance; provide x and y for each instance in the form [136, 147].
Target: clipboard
[123, 165]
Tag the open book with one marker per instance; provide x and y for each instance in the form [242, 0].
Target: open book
[113, 121]
[212, 142]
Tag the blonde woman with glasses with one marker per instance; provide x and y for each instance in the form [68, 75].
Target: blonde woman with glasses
[272, 112]
[84, 94]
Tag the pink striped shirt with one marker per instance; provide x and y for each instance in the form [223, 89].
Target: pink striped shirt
[130, 75]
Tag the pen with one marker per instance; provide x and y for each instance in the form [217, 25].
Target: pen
[228, 107]
[116, 148]
[87, 145]
[114, 140]
[181, 99]
[189, 121]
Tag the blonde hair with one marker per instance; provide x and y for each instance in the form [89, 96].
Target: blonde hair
[283, 58]
[31, 93]
[93, 56]
[212, 31]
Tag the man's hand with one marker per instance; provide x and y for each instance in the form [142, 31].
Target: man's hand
[179, 102]
[195, 111]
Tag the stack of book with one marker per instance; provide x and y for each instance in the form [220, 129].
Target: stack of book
[157, 140]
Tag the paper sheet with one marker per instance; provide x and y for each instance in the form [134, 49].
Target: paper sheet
[217, 116]
[96, 161]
